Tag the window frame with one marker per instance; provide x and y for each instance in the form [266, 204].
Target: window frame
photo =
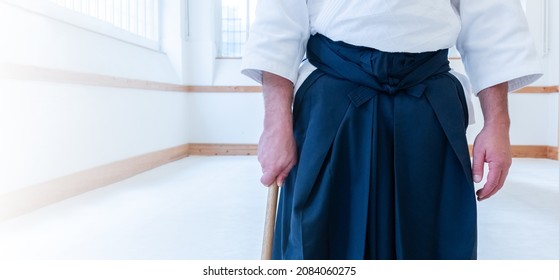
[219, 29]
[83, 21]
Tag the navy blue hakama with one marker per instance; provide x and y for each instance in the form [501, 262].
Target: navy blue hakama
[384, 170]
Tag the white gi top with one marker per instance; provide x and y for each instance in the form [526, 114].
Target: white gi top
[492, 36]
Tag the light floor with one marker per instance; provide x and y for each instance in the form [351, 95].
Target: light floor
[213, 208]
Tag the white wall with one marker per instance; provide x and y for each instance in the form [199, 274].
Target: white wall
[534, 119]
[201, 42]
[545, 35]
[174, 33]
[218, 117]
[232, 118]
[51, 129]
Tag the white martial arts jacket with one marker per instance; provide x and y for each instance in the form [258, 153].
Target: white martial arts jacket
[492, 36]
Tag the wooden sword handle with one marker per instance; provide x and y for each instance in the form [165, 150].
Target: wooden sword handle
[270, 222]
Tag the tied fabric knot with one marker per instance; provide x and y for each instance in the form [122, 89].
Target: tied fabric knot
[362, 94]
[372, 71]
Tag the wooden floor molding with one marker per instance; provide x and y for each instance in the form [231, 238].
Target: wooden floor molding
[538, 89]
[222, 149]
[37, 196]
[518, 151]
[522, 151]
[532, 151]
[553, 153]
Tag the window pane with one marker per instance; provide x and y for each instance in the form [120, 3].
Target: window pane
[136, 16]
[236, 16]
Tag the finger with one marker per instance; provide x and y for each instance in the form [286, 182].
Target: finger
[277, 175]
[268, 178]
[478, 165]
[501, 183]
[492, 184]
[493, 178]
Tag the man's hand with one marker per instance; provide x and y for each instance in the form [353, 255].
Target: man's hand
[277, 155]
[492, 145]
[277, 152]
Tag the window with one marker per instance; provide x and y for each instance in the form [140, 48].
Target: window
[236, 17]
[139, 17]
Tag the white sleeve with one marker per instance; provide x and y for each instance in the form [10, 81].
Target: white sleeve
[496, 45]
[277, 39]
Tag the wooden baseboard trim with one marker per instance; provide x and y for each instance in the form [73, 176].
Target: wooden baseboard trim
[214, 89]
[532, 151]
[199, 149]
[553, 153]
[522, 151]
[538, 89]
[37, 196]
[33, 197]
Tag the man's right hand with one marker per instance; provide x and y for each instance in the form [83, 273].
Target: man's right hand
[277, 151]
[277, 154]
